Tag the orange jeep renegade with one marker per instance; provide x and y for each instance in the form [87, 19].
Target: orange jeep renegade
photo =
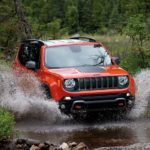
[79, 74]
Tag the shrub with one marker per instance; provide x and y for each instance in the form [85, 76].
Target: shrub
[137, 30]
[6, 124]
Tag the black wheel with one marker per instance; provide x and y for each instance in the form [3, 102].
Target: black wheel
[115, 115]
[88, 117]
[46, 91]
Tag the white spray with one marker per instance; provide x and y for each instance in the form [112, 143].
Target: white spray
[22, 96]
[142, 80]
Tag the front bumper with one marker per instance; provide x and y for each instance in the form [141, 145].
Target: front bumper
[97, 103]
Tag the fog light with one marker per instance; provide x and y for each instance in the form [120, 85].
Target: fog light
[62, 106]
[120, 104]
[67, 98]
[77, 106]
[128, 94]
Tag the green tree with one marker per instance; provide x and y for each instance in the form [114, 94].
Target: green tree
[71, 17]
[85, 16]
[7, 24]
[136, 29]
[53, 29]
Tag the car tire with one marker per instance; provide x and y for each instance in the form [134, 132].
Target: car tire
[46, 91]
[88, 117]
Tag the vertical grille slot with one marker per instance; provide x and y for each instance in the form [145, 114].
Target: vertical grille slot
[94, 84]
[99, 83]
[87, 83]
[109, 82]
[81, 83]
[115, 82]
[104, 82]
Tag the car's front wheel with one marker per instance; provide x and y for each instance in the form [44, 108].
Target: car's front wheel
[89, 117]
[46, 91]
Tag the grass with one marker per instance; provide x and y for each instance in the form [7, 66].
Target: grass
[7, 123]
[4, 63]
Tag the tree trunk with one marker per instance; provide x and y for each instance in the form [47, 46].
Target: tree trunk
[21, 18]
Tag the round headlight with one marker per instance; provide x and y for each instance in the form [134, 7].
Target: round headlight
[69, 83]
[123, 80]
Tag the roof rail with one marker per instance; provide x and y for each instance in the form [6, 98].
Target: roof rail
[84, 39]
[33, 41]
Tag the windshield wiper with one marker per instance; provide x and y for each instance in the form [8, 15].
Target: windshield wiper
[101, 61]
[84, 65]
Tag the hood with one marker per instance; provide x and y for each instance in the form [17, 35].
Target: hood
[89, 71]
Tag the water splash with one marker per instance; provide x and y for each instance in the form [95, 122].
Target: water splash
[142, 80]
[23, 96]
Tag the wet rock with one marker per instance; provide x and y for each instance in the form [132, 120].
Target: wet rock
[21, 144]
[31, 142]
[22, 147]
[80, 146]
[5, 144]
[72, 144]
[20, 141]
[52, 147]
[33, 147]
[41, 145]
[44, 146]
[48, 143]
[64, 146]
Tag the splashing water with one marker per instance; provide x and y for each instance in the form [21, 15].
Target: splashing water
[142, 80]
[23, 96]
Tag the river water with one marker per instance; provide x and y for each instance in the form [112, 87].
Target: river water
[38, 118]
[95, 135]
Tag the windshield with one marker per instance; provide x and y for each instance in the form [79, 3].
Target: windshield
[76, 56]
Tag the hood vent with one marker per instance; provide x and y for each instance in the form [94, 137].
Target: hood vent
[90, 69]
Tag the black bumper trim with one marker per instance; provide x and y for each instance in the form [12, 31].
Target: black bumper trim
[90, 103]
[96, 103]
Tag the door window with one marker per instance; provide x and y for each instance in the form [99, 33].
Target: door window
[29, 52]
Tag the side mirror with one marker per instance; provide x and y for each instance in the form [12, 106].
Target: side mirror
[31, 65]
[116, 60]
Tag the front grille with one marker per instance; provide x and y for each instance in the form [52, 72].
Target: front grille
[96, 83]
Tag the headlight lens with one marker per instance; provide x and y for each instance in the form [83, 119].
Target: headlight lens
[123, 81]
[69, 84]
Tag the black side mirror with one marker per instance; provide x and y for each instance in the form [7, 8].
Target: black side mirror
[31, 65]
[116, 60]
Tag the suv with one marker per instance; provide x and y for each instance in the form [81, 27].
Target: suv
[79, 74]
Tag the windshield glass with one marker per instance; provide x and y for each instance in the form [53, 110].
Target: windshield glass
[76, 56]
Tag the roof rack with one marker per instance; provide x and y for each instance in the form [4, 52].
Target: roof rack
[33, 41]
[84, 39]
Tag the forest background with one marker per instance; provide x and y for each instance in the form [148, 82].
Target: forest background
[122, 25]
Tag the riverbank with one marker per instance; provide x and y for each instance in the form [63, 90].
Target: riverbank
[30, 144]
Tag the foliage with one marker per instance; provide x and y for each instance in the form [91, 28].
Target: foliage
[51, 19]
[71, 17]
[53, 28]
[87, 16]
[6, 124]
[137, 30]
